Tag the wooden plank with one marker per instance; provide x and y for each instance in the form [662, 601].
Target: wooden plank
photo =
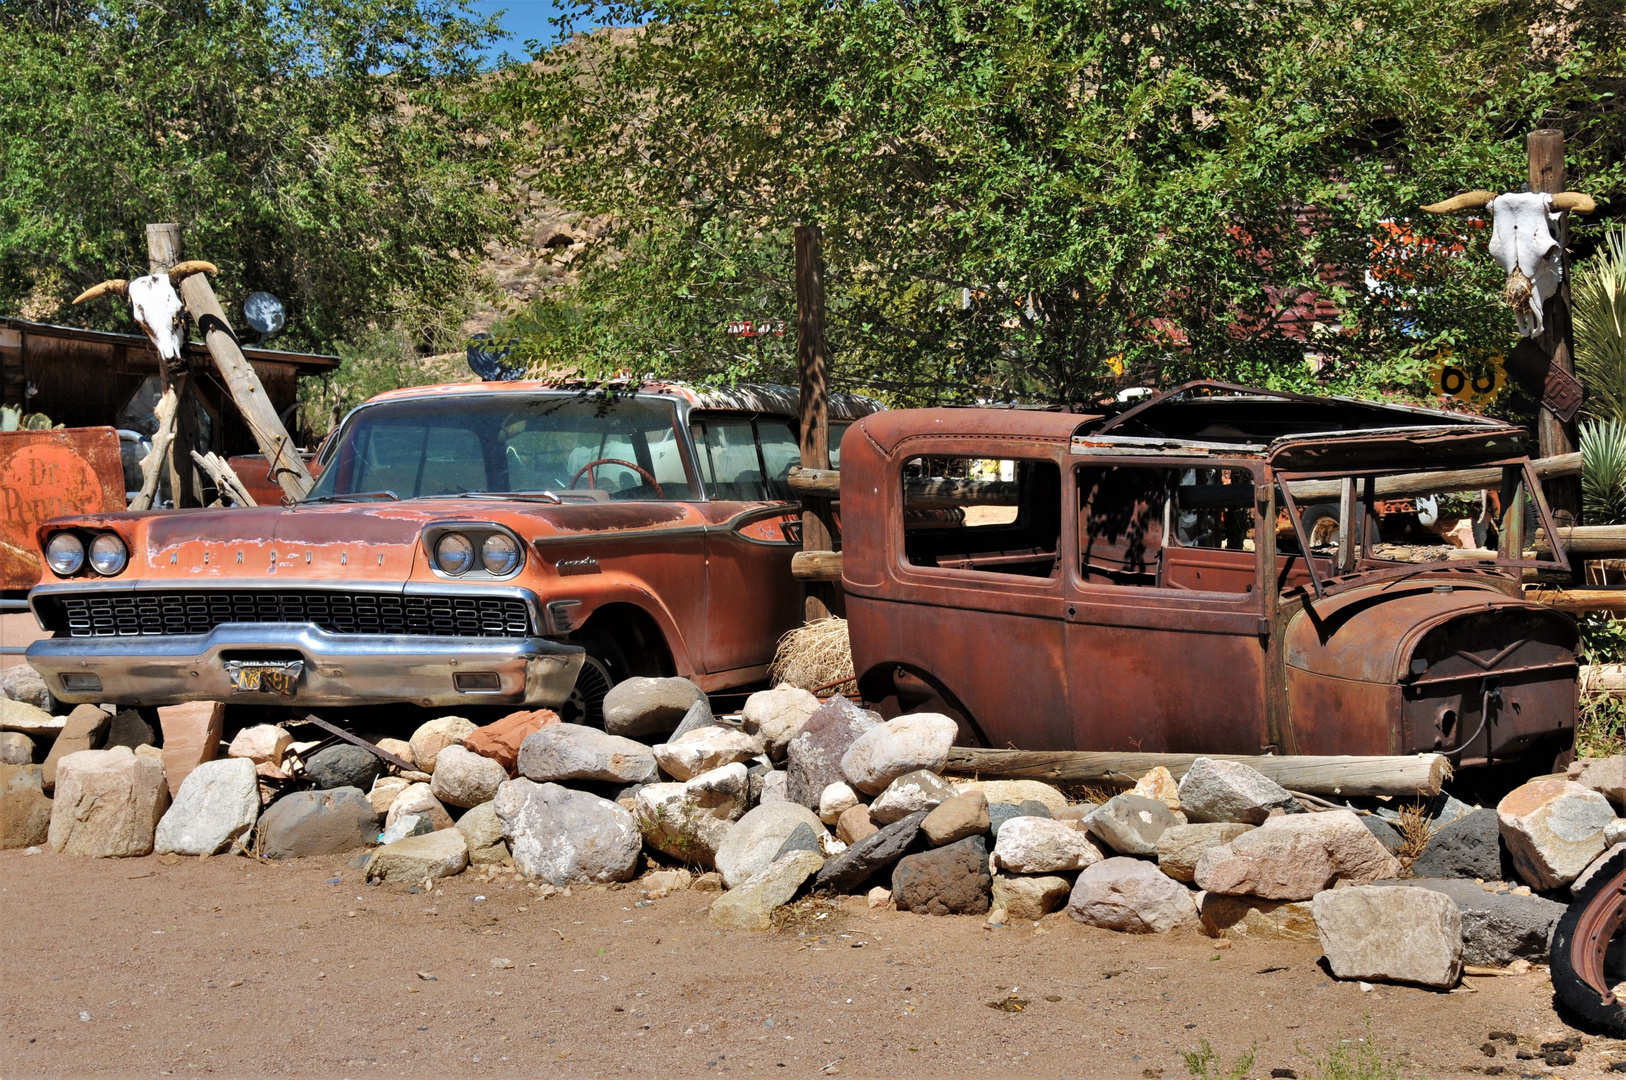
[1421, 774]
[812, 376]
[819, 483]
[816, 566]
[1580, 600]
[246, 391]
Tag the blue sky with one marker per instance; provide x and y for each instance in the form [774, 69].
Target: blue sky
[523, 19]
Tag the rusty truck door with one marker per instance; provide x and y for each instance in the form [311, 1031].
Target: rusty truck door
[1167, 620]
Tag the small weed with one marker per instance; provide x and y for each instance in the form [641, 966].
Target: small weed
[811, 915]
[1600, 727]
[1204, 1063]
[1355, 1060]
[1097, 793]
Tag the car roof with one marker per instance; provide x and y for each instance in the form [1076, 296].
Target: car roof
[888, 429]
[741, 397]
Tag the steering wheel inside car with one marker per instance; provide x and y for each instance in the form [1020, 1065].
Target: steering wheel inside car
[591, 465]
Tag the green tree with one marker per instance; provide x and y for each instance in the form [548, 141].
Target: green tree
[320, 149]
[1050, 199]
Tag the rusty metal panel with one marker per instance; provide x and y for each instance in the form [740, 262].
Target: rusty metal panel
[45, 474]
[1330, 715]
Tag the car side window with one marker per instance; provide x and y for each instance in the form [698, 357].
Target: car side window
[780, 450]
[995, 516]
[1164, 528]
[729, 461]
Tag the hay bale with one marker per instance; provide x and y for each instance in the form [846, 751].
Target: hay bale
[817, 657]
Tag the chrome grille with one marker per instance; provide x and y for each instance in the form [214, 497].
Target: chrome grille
[169, 613]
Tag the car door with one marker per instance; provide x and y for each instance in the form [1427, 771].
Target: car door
[1167, 631]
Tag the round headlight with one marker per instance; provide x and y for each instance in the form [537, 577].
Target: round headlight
[500, 554]
[108, 555]
[454, 554]
[65, 554]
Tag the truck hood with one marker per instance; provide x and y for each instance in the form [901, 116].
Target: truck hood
[1373, 633]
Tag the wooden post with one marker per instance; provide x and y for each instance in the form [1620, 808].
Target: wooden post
[1546, 154]
[245, 387]
[185, 488]
[812, 368]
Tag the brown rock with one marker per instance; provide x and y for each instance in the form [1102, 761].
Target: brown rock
[1179, 847]
[1296, 856]
[950, 880]
[108, 802]
[957, 818]
[501, 741]
[84, 729]
[436, 735]
[814, 752]
[1553, 829]
[192, 734]
[1248, 918]
[1028, 896]
[854, 824]
[25, 811]
[1606, 776]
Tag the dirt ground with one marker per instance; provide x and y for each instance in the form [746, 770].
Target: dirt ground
[150, 967]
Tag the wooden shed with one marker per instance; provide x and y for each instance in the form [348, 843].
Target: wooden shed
[87, 378]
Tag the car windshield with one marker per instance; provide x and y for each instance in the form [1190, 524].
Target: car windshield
[600, 446]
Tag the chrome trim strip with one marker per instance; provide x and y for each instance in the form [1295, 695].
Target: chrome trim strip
[340, 669]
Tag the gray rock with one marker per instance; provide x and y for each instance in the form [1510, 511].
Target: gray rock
[751, 905]
[22, 683]
[214, 810]
[575, 752]
[901, 745]
[1393, 934]
[343, 765]
[758, 839]
[1497, 927]
[777, 715]
[317, 823]
[25, 809]
[690, 821]
[402, 827]
[128, 728]
[1217, 790]
[567, 837]
[803, 839]
[1553, 829]
[1180, 846]
[949, 880]
[999, 813]
[464, 778]
[1130, 824]
[1383, 831]
[773, 788]
[16, 748]
[919, 790]
[482, 829]
[1606, 776]
[814, 753]
[1130, 896]
[1470, 847]
[440, 854]
[854, 868]
[699, 716]
[640, 706]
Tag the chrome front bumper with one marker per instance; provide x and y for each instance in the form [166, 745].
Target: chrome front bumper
[339, 669]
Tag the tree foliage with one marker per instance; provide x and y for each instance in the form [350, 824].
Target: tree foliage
[1050, 199]
[323, 150]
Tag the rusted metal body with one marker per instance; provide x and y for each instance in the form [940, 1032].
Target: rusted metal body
[1086, 618]
[651, 521]
[44, 474]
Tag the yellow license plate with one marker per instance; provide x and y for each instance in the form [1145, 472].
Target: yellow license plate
[281, 679]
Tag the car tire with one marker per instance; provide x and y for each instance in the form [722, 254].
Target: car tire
[602, 667]
[1602, 894]
[1324, 518]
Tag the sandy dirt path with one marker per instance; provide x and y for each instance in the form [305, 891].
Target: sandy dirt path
[240, 968]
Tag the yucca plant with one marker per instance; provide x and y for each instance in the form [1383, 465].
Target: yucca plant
[1603, 472]
[1598, 299]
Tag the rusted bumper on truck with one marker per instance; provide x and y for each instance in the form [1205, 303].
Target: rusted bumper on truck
[338, 669]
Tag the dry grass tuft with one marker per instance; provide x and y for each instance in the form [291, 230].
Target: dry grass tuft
[811, 915]
[814, 657]
[1414, 829]
[1097, 792]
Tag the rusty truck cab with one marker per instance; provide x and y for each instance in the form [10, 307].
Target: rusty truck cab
[1144, 581]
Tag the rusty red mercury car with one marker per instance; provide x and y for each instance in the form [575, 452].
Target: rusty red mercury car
[483, 543]
[1145, 580]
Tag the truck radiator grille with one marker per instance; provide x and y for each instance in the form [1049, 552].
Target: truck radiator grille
[169, 613]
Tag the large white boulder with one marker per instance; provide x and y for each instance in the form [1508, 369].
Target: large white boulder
[705, 749]
[754, 841]
[1391, 933]
[901, 745]
[689, 821]
[1036, 845]
[464, 778]
[1131, 896]
[1217, 790]
[214, 811]
[561, 752]
[777, 715]
[436, 735]
[108, 802]
[567, 837]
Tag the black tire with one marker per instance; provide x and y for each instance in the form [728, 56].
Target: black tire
[1568, 986]
[602, 667]
[1324, 518]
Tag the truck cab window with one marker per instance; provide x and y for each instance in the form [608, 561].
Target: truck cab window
[997, 516]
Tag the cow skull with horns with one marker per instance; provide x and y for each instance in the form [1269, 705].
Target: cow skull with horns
[154, 303]
[1522, 242]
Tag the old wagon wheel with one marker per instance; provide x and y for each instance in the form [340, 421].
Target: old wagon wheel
[1580, 942]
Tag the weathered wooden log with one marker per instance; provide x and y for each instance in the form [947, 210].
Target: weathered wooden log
[1603, 678]
[1587, 539]
[157, 459]
[816, 565]
[1580, 600]
[246, 391]
[1420, 774]
[818, 483]
[225, 478]
[1392, 487]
